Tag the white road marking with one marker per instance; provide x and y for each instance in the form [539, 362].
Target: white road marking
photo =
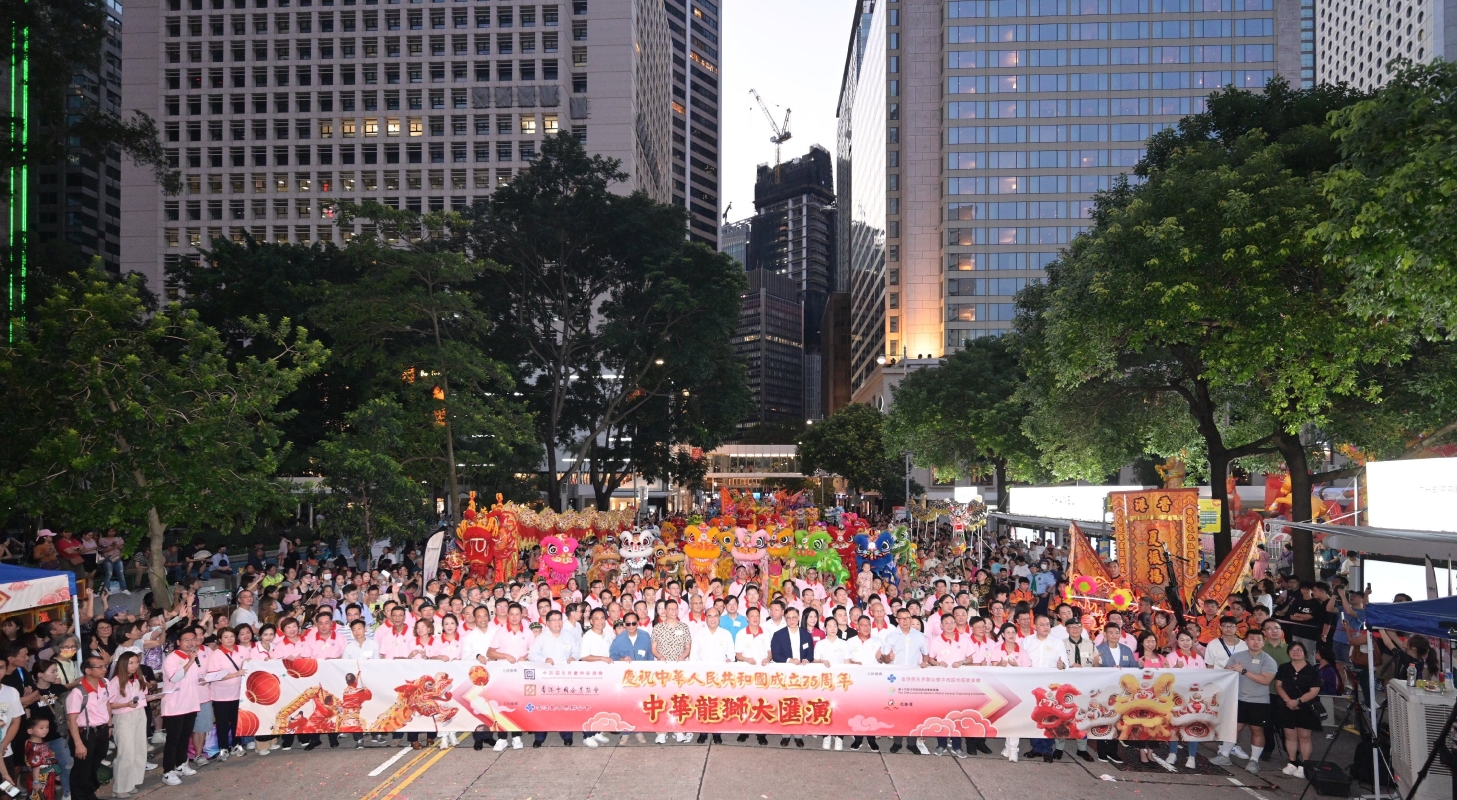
[1248, 790]
[389, 763]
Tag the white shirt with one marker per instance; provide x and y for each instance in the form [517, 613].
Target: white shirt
[863, 652]
[751, 646]
[832, 649]
[368, 650]
[906, 647]
[794, 635]
[560, 649]
[10, 710]
[597, 644]
[1215, 656]
[475, 642]
[243, 616]
[1044, 653]
[714, 646]
[771, 627]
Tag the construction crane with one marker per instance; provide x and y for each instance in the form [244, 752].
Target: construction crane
[781, 133]
[726, 212]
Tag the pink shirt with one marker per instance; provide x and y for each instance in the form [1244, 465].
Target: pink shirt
[332, 647]
[283, 648]
[513, 643]
[251, 652]
[131, 692]
[221, 661]
[443, 647]
[1152, 662]
[182, 691]
[90, 704]
[1193, 661]
[1000, 657]
[946, 651]
[394, 644]
[983, 652]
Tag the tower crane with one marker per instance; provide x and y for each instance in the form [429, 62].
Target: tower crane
[781, 132]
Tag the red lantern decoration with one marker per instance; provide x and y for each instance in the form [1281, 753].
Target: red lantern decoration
[263, 688]
[247, 722]
[300, 667]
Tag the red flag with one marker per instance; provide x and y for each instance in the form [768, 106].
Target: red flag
[1083, 559]
[1226, 579]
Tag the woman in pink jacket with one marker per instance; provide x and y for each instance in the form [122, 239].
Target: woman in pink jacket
[1009, 654]
[225, 667]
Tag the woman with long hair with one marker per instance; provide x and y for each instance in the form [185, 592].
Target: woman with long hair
[128, 690]
[226, 690]
[1297, 682]
[263, 651]
[1149, 657]
[1184, 657]
[248, 650]
[1009, 654]
[426, 644]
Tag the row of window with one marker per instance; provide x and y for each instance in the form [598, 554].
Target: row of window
[369, 75]
[1047, 57]
[1117, 56]
[304, 49]
[1033, 184]
[303, 21]
[1085, 107]
[982, 262]
[1018, 134]
[1089, 31]
[323, 155]
[325, 183]
[1044, 159]
[971, 9]
[579, 7]
[1010, 210]
[1046, 234]
[981, 312]
[987, 287]
[303, 102]
[262, 129]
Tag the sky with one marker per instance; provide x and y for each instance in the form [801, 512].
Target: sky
[793, 53]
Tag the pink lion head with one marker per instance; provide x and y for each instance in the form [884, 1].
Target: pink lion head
[558, 559]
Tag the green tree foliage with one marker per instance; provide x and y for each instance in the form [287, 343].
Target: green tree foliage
[602, 307]
[1393, 200]
[851, 443]
[368, 494]
[118, 417]
[965, 416]
[409, 325]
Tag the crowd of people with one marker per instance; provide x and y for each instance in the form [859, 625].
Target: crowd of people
[168, 679]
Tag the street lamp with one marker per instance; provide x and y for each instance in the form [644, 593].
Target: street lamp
[880, 359]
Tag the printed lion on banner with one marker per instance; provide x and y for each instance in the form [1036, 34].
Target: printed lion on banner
[1149, 708]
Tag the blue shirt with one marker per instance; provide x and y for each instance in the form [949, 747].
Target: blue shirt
[1355, 621]
[1043, 581]
[622, 647]
[733, 623]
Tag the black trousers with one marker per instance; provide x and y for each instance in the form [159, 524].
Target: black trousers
[225, 716]
[1108, 747]
[179, 736]
[83, 773]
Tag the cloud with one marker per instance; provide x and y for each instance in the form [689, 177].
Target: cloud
[957, 723]
[861, 724]
[608, 722]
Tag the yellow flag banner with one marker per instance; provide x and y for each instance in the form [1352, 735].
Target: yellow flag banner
[1157, 535]
[1227, 577]
[1083, 559]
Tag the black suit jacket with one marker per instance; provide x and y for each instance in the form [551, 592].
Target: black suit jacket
[779, 646]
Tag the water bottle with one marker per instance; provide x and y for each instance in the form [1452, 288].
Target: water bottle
[1411, 675]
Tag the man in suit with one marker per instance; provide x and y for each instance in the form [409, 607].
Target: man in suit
[1113, 655]
[792, 645]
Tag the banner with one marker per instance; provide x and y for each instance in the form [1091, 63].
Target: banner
[308, 696]
[1083, 559]
[1157, 534]
[1229, 575]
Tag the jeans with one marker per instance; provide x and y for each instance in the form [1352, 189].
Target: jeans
[942, 742]
[64, 762]
[1042, 747]
[113, 570]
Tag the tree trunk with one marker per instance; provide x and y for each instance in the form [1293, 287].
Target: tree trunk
[157, 572]
[1219, 491]
[1302, 541]
[999, 472]
[553, 487]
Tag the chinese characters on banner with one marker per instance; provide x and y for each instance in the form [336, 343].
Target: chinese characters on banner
[309, 696]
[1157, 533]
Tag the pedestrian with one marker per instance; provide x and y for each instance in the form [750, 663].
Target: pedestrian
[129, 725]
[182, 693]
[88, 710]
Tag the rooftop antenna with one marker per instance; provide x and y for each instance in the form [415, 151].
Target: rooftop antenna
[781, 132]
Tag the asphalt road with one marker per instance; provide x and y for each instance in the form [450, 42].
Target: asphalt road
[709, 772]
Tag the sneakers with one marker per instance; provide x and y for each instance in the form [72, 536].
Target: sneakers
[1289, 769]
[263, 752]
[1239, 753]
[185, 771]
[1298, 773]
[254, 745]
[224, 754]
[590, 741]
[1115, 759]
[1012, 754]
[150, 766]
[1253, 767]
[839, 743]
[1221, 761]
[501, 744]
[1191, 763]
[516, 743]
[828, 742]
[160, 737]
[622, 740]
[958, 752]
[238, 751]
[359, 744]
[601, 738]
[171, 779]
[940, 751]
[661, 738]
[288, 747]
[1085, 755]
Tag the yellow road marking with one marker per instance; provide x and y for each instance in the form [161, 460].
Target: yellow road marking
[421, 771]
[375, 792]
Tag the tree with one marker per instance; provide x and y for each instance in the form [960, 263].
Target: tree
[118, 417]
[1205, 279]
[410, 325]
[602, 307]
[966, 415]
[1393, 200]
[850, 443]
[368, 494]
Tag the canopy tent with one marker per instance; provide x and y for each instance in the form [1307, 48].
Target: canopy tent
[1424, 617]
[23, 588]
[1048, 524]
[1378, 541]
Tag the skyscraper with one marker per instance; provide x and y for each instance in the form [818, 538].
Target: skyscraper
[1355, 41]
[735, 240]
[792, 234]
[271, 107]
[977, 131]
[695, 31]
[768, 341]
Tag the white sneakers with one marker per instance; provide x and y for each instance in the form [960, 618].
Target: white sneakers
[238, 751]
[516, 743]
[254, 745]
[1293, 770]
[186, 771]
[1191, 763]
[171, 779]
[828, 742]
[600, 738]
[501, 744]
[661, 738]
[839, 743]
[150, 766]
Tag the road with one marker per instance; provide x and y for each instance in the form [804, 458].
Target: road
[713, 772]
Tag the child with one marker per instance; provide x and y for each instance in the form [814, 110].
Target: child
[40, 759]
[864, 582]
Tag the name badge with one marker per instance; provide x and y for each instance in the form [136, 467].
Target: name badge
[642, 652]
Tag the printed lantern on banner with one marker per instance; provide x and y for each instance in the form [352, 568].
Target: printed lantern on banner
[263, 688]
[300, 667]
[247, 722]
